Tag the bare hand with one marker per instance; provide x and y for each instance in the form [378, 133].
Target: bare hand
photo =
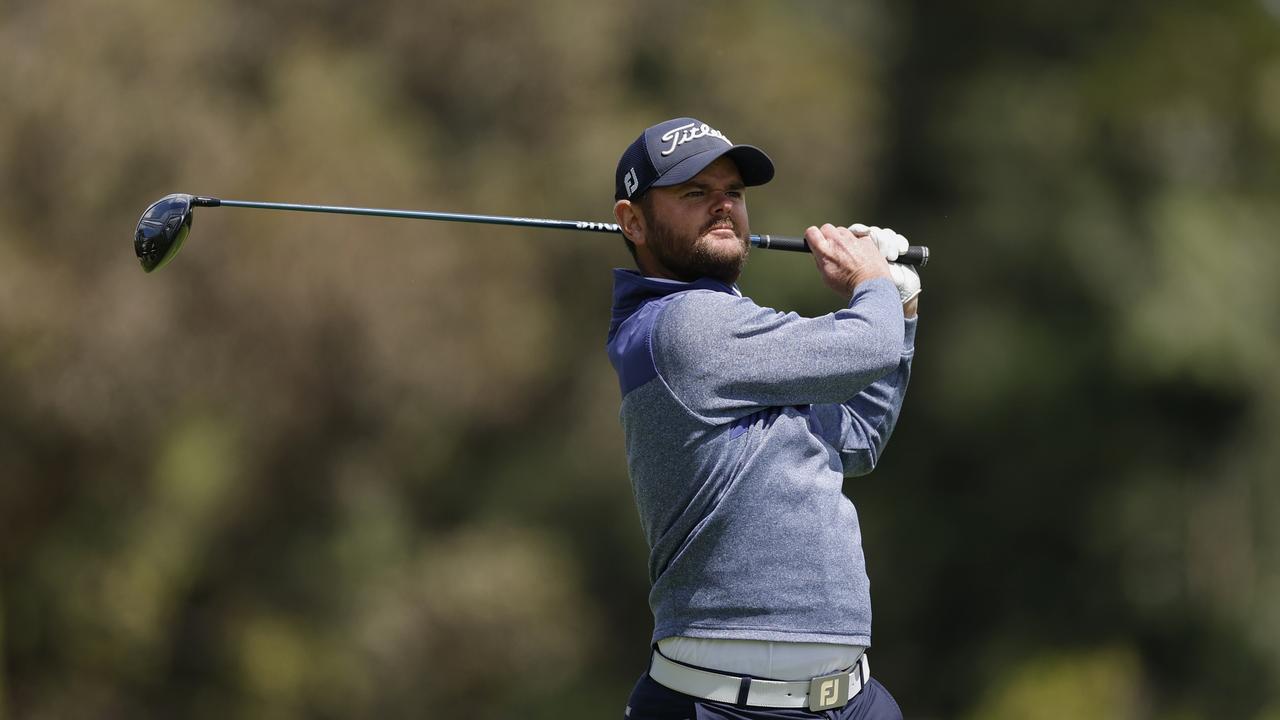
[845, 259]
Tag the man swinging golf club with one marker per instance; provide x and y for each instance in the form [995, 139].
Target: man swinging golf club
[741, 424]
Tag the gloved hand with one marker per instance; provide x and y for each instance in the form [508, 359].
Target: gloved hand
[907, 280]
[892, 245]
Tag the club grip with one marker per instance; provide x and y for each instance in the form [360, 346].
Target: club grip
[780, 242]
[917, 255]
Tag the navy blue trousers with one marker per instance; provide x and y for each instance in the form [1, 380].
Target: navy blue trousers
[651, 701]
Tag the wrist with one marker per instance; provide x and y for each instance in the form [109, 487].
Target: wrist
[873, 274]
[862, 284]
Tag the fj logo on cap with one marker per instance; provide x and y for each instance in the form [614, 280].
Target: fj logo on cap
[683, 134]
[631, 182]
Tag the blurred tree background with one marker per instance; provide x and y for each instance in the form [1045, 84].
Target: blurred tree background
[337, 467]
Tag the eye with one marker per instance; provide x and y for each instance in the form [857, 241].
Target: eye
[694, 194]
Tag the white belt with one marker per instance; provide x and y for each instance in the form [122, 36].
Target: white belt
[821, 693]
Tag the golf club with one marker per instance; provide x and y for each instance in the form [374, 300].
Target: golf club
[164, 226]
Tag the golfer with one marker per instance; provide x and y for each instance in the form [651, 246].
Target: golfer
[741, 424]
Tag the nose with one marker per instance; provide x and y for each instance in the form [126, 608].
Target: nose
[723, 203]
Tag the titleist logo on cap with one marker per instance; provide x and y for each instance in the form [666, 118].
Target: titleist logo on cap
[690, 131]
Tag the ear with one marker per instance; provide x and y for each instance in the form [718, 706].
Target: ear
[631, 220]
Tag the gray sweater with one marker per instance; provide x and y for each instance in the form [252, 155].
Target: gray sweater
[741, 424]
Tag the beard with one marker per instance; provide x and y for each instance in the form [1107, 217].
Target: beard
[698, 257]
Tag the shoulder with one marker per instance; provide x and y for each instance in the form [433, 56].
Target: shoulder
[698, 312]
[699, 323]
[632, 348]
[700, 306]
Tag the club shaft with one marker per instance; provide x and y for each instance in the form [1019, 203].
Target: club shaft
[916, 255]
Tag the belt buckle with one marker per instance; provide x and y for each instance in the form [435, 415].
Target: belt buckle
[828, 691]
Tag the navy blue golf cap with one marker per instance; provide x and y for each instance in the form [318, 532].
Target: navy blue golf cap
[672, 152]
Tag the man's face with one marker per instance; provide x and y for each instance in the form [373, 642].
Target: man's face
[699, 228]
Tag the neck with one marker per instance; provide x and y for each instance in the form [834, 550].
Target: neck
[650, 267]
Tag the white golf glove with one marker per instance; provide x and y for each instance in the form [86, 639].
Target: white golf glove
[907, 280]
[892, 245]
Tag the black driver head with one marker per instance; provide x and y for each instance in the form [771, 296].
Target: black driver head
[161, 231]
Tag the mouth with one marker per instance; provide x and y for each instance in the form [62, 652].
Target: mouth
[720, 229]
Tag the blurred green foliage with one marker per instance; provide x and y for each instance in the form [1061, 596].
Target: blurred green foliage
[339, 467]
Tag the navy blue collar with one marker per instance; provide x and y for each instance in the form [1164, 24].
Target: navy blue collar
[631, 291]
